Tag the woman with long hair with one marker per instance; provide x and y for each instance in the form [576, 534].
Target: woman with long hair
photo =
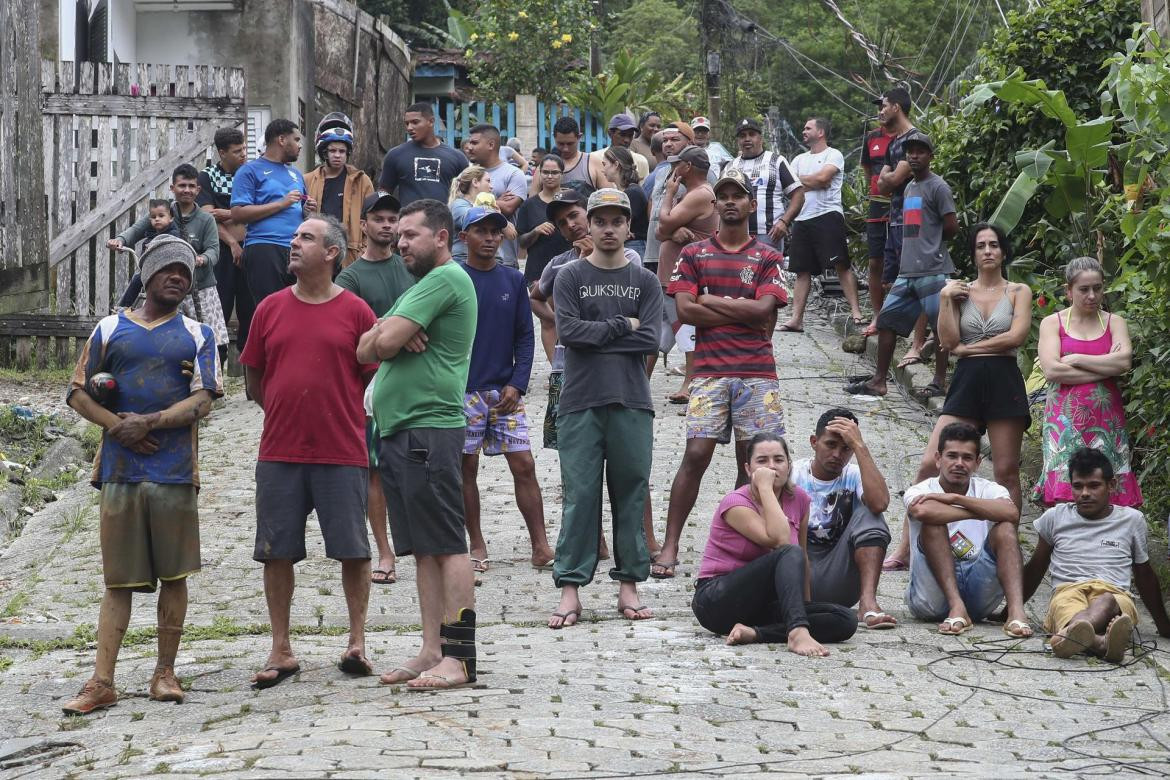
[464, 188]
[753, 584]
[617, 164]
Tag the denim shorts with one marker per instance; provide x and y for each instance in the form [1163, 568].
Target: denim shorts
[978, 582]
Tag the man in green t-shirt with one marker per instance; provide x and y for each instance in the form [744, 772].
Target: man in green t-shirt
[424, 345]
[378, 277]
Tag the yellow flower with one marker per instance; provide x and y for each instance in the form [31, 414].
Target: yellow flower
[523, 14]
[554, 23]
[556, 44]
[491, 35]
[475, 36]
[567, 38]
[513, 36]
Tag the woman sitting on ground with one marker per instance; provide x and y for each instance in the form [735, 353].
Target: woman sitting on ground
[753, 584]
[1082, 351]
[983, 323]
[471, 182]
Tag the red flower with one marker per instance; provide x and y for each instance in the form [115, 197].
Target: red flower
[1041, 301]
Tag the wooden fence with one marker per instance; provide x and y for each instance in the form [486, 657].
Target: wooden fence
[112, 136]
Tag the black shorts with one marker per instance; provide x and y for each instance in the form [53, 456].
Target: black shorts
[422, 478]
[987, 388]
[892, 254]
[875, 238]
[287, 492]
[818, 244]
[266, 268]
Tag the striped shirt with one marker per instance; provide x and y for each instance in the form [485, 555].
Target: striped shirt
[773, 179]
[750, 272]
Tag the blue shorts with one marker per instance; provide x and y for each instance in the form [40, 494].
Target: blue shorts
[908, 298]
[978, 581]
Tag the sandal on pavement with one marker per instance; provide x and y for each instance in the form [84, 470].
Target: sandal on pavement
[954, 626]
[480, 565]
[679, 398]
[1117, 636]
[909, 360]
[357, 665]
[1076, 637]
[1017, 629]
[894, 564]
[281, 676]
[458, 642]
[388, 576]
[564, 616]
[636, 609]
[789, 329]
[930, 391]
[861, 388]
[94, 695]
[665, 570]
[881, 621]
[410, 675]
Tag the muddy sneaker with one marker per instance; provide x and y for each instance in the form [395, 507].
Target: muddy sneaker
[164, 686]
[94, 695]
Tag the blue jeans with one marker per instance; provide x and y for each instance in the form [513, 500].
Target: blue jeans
[978, 582]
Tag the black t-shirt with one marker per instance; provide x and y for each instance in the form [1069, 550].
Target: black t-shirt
[531, 213]
[640, 218]
[333, 197]
[895, 153]
[418, 172]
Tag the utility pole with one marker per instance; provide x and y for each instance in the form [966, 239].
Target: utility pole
[709, 26]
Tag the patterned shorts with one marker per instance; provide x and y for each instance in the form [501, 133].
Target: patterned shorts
[495, 433]
[207, 309]
[749, 405]
[556, 380]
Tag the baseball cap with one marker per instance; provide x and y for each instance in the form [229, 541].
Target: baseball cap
[684, 129]
[747, 123]
[734, 176]
[622, 122]
[479, 214]
[918, 137]
[700, 121]
[693, 155]
[608, 196]
[896, 95]
[563, 199]
[380, 201]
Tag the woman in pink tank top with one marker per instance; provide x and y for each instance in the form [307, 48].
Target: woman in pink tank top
[1082, 351]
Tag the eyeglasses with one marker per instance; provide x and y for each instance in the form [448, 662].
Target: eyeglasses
[550, 173]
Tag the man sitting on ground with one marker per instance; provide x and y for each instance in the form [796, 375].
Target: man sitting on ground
[964, 550]
[847, 535]
[1090, 548]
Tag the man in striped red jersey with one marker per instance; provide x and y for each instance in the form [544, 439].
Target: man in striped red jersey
[728, 287]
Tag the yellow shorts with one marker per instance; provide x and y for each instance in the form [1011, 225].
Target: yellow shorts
[1068, 600]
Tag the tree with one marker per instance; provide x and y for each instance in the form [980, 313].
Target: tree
[660, 34]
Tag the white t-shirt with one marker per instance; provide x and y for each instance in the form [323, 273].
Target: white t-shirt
[817, 202]
[832, 501]
[1104, 549]
[967, 536]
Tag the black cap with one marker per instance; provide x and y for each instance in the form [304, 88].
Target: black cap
[380, 200]
[693, 155]
[916, 136]
[896, 95]
[748, 123]
[566, 197]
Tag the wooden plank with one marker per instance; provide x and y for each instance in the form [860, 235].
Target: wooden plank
[64, 165]
[83, 199]
[106, 191]
[23, 360]
[125, 131]
[145, 181]
[85, 81]
[187, 108]
[121, 276]
[47, 325]
[122, 79]
[105, 78]
[48, 76]
[43, 352]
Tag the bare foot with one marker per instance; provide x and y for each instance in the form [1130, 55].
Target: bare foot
[800, 641]
[742, 635]
[603, 550]
[541, 557]
[355, 662]
[448, 673]
[409, 670]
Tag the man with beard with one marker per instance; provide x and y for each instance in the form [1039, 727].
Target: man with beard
[778, 193]
[847, 535]
[424, 344]
[964, 542]
[146, 468]
[378, 277]
[301, 366]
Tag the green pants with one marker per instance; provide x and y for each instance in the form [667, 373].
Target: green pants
[620, 441]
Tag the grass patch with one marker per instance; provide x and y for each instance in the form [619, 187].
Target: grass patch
[14, 605]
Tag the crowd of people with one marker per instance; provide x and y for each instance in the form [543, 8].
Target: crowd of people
[388, 335]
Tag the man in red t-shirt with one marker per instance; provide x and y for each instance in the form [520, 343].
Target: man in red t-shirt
[301, 363]
[873, 155]
[729, 288]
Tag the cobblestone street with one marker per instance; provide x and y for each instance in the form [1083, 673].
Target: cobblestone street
[607, 698]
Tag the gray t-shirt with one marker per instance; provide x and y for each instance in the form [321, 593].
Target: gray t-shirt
[508, 178]
[924, 252]
[605, 362]
[1083, 549]
[549, 276]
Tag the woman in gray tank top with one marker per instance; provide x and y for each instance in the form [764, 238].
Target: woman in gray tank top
[982, 323]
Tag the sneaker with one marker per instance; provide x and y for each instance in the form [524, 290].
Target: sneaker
[164, 686]
[94, 695]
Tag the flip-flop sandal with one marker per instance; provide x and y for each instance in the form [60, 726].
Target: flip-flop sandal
[884, 621]
[894, 564]
[957, 625]
[930, 391]
[480, 565]
[861, 388]
[446, 686]
[662, 575]
[281, 676]
[413, 673]
[636, 609]
[389, 576]
[1117, 636]
[787, 329]
[564, 616]
[356, 665]
[679, 398]
[1021, 629]
[870, 330]
[1076, 637]
[909, 360]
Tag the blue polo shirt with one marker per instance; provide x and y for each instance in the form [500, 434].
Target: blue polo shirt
[261, 181]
